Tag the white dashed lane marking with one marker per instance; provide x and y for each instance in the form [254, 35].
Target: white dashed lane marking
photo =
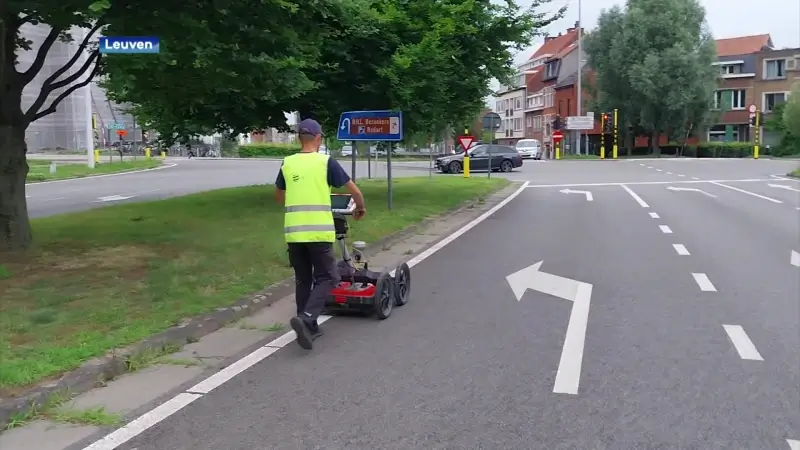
[705, 284]
[654, 215]
[665, 229]
[742, 343]
[681, 249]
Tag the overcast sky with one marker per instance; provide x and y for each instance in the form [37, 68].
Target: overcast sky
[727, 18]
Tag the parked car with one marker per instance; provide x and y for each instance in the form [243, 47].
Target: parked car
[529, 148]
[504, 158]
[347, 150]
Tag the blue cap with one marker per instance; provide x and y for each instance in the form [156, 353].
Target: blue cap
[309, 126]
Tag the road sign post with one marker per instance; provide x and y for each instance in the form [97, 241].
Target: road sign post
[491, 122]
[614, 153]
[466, 142]
[558, 136]
[380, 126]
[756, 134]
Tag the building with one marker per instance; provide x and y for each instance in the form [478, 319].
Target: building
[510, 107]
[736, 86]
[776, 72]
[71, 126]
[542, 73]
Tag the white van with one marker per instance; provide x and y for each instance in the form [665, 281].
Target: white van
[529, 148]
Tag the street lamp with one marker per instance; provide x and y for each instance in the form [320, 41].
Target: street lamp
[580, 79]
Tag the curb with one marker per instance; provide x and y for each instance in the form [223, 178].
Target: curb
[104, 175]
[94, 373]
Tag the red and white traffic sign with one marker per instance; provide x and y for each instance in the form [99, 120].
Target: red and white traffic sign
[753, 108]
[557, 136]
[466, 142]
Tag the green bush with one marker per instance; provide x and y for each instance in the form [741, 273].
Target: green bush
[267, 150]
[703, 150]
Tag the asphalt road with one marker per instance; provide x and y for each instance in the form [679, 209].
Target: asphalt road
[664, 315]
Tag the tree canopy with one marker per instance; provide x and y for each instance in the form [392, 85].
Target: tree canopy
[235, 66]
[660, 77]
[431, 59]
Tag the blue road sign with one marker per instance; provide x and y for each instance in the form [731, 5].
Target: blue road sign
[370, 126]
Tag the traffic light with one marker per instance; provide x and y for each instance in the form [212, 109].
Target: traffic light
[608, 123]
[557, 123]
[754, 118]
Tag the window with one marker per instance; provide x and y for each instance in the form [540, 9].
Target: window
[737, 99]
[568, 107]
[719, 133]
[552, 69]
[775, 68]
[727, 99]
[772, 100]
[560, 102]
[529, 122]
[518, 103]
[517, 124]
[731, 69]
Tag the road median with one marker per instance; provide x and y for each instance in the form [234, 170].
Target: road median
[40, 170]
[105, 285]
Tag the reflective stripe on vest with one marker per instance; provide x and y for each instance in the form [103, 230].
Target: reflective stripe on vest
[307, 213]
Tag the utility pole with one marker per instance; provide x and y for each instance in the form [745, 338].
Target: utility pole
[580, 80]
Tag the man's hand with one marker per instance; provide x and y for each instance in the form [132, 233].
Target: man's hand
[359, 213]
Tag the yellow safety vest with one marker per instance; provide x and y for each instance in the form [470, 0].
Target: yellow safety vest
[308, 216]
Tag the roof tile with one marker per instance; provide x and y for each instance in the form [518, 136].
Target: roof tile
[554, 45]
[743, 45]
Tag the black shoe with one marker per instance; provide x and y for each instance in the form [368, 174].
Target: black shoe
[304, 336]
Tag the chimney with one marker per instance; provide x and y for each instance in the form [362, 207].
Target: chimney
[547, 37]
[577, 24]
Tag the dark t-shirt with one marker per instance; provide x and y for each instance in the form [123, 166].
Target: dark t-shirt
[337, 177]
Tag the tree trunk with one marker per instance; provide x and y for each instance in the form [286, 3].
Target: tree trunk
[15, 228]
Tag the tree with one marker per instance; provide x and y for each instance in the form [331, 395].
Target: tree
[416, 56]
[791, 112]
[653, 61]
[259, 47]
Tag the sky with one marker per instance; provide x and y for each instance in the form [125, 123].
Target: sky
[727, 18]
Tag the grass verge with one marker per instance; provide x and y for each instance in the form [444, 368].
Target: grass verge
[109, 277]
[40, 169]
[794, 173]
[55, 410]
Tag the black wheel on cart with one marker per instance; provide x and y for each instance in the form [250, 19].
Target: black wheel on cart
[383, 301]
[402, 284]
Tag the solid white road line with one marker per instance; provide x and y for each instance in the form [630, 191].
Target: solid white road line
[793, 444]
[681, 249]
[744, 346]
[795, 259]
[635, 196]
[705, 284]
[165, 410]
[655, 215]
[665, 229]
[747, 192]
[647, 183]
[144, 422]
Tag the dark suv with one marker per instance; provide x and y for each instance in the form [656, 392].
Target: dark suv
[503, 158]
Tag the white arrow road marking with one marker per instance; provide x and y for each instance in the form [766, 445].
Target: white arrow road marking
[676, 189]
[113, 198]
[588, 194]
[795, 259]
[580, 294]
[742, 343]
[783, 186]
[793, 444]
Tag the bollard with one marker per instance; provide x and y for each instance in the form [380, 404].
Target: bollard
[52, 167]
[163, 155]
[147, 152]
[97, 156]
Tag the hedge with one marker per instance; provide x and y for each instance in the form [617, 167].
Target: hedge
[267, 150]
[706, 150]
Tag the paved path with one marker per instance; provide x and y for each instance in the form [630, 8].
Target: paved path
[649, 310]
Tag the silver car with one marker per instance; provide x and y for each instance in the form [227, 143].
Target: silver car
[529, 148]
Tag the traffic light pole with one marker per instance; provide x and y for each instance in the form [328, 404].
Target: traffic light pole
[756, 135]
[614, 153]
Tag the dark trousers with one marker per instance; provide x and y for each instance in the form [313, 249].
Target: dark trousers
[315, 274]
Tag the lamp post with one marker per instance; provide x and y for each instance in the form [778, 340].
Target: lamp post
[580, 80]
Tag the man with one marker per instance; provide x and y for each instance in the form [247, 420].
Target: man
[304, 187]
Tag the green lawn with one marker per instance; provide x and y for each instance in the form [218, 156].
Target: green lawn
[40, 169]
[109, 277]
[794, 173]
